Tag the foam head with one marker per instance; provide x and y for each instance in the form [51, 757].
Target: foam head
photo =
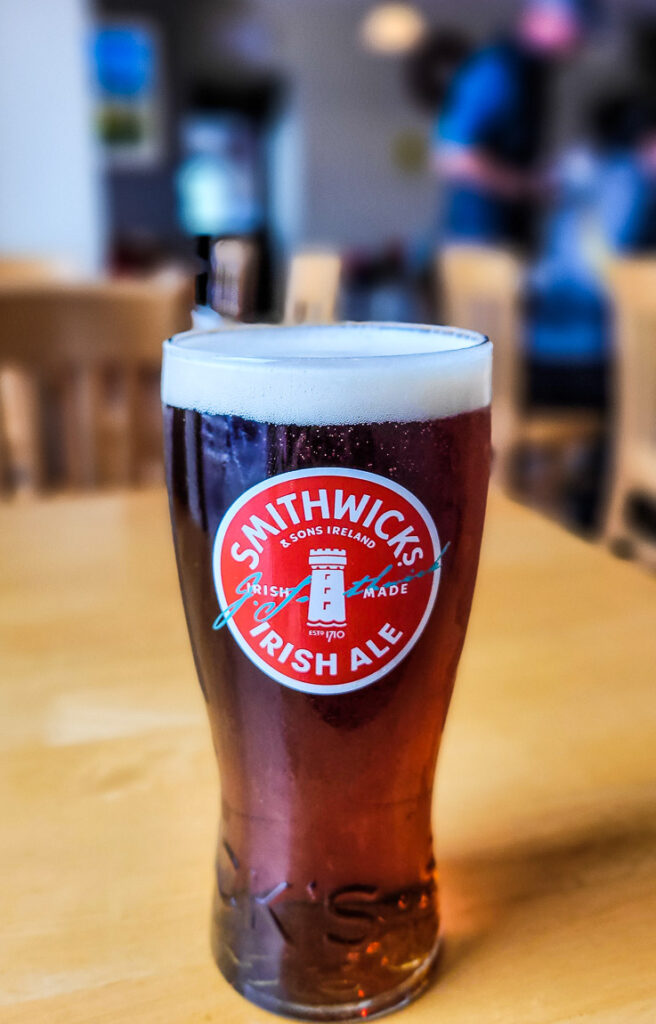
[332, 374]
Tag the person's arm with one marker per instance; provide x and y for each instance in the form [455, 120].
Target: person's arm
[472, 166]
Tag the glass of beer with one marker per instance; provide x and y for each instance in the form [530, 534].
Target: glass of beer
[327, 490]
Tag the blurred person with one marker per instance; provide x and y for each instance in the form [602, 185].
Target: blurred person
[568, 325]
[567, 316]
[625, 152]
[604, 201]
[489, 136]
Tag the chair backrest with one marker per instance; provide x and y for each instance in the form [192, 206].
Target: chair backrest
[633, 285]
[313, 288]
[234, 277]
[79, 369]
[30, 270]
[481, 288]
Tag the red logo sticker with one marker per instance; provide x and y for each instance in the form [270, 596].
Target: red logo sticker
[326, 577]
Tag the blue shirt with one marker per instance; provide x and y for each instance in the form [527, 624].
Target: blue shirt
[496, 105]
[627, 203]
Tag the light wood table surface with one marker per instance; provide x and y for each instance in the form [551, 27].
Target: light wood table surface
[546, 824]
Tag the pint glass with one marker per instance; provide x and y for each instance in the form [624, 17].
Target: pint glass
[327, 489]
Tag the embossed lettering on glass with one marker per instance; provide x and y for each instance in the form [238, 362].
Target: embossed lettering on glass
[327, 489]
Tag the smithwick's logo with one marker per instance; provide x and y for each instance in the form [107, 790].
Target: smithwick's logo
[326, 619]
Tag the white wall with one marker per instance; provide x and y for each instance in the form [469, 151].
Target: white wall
[352, 106]
[49, 179]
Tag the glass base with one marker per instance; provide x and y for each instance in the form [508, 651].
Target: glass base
[387, 1002]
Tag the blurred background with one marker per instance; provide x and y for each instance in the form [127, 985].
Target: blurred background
[440, 161]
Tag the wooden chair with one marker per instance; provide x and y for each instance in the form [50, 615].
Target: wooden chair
[79, 372]
[633, 478]
[17, 270]
[234, 277]
[482, 289]
[313, 288]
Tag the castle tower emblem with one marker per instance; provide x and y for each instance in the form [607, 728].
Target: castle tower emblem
[327, 605]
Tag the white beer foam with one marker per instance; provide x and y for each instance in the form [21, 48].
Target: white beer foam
[333, 374]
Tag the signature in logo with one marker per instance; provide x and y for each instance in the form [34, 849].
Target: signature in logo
[265, 612]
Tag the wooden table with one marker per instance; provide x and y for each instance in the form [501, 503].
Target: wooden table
[547, 783]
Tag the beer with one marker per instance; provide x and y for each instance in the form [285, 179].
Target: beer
[327, 489]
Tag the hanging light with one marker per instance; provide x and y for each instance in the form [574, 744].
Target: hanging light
[392, 28]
